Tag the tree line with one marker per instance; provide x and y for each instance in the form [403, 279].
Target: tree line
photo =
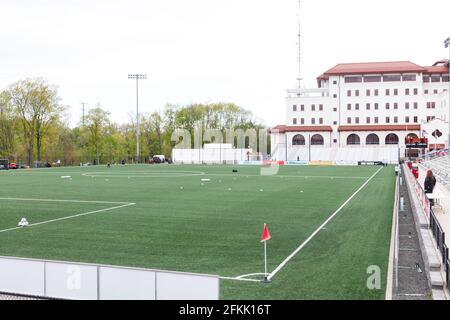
[34, 128]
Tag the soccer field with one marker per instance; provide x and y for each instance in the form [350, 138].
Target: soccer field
[165, 217]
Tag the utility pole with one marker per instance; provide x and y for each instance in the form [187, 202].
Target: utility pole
[83, 111]
[299, 79]
[137, 77]
[447, 45]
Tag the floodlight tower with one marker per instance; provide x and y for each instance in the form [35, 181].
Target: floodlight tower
[447, 45]
[299, 79]
[137, 77]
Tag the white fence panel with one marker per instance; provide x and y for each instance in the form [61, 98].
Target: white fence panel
[71, 281]
[127, 284]
[178, 286]
[22, 277]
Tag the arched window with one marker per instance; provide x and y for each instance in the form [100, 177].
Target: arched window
[392, 139]
[317, 140]
[353, 140]
[372, 139]
[411, 136]
[298, 140]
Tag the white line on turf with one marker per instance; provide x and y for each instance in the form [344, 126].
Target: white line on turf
[293, 254]
[71, 217]
[70, 201]
[240, 279]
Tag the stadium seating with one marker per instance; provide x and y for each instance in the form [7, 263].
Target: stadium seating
[440, 165]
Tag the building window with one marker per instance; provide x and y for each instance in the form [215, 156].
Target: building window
[426, 78]
[392, 78]
[349, 106]
[357, 93]
[376, 92]
[425, 92]
[357, 120]
[313, 107]
[372, 79]
[416, 119]
[392, 139]
[388, 120]
[334, 82]
[376, 106]
[349, 120]
[372, 139]
[407, 105]
[294, 108]
[368, 120]
[406, 119]
[416, 105]
[313, 121]
[395, 119]
[335, 123]
[353, 79]
[409, 77]
[349, 93]
[335, 109]
[435, 91]
[396, 106]
[334, 96]
[357, 106]
[445, 78]
[388, 106]
[433, 105]
[407, 92]
[334, 140]
[395, 92]
[376, 120]
[302, 107]
[430, 118]
[298, 140]
[435, 78]
[368, 92]
[388, 92]
[320, 107]
[416, 91]
[353, 140]
[320, 120]
[294, 121]
[368, 106]
[302, 121]
[317, 140]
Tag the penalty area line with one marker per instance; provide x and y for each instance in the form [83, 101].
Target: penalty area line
[293, 254]
[71, 217]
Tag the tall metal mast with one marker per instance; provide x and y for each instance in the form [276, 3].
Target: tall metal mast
[299, 79]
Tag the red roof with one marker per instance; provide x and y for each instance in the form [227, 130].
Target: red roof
[284, 129]
[412, 127]
[374, 68]
[437, 69]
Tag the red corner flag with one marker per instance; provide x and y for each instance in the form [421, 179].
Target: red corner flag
[266, 234]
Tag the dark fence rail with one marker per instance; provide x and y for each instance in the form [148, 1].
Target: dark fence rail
[439, 236]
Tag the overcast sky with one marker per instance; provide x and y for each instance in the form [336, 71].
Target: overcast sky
[241, 51]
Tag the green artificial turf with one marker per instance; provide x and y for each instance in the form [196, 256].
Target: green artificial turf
[181, 225]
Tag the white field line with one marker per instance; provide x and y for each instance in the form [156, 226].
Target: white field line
[71, 217]
[70, 201]
[282, 176]
[240, 279]
[293, 254]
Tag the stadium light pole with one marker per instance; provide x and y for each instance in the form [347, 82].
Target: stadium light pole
[137, 77]
[447, 45]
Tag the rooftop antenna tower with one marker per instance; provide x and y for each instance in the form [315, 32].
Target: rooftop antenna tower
[299, 43]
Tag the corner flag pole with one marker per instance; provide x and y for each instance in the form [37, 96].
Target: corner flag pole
[264, 238]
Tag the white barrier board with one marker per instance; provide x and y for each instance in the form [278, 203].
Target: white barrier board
[22, 276]
[175, 286]
[126, 284]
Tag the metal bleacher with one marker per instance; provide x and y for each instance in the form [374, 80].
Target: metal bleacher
[439, 163]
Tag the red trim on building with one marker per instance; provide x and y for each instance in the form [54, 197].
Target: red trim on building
[374, 68]
[380, 128]
[285, 129]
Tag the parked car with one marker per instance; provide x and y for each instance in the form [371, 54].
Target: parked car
[13, 166]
